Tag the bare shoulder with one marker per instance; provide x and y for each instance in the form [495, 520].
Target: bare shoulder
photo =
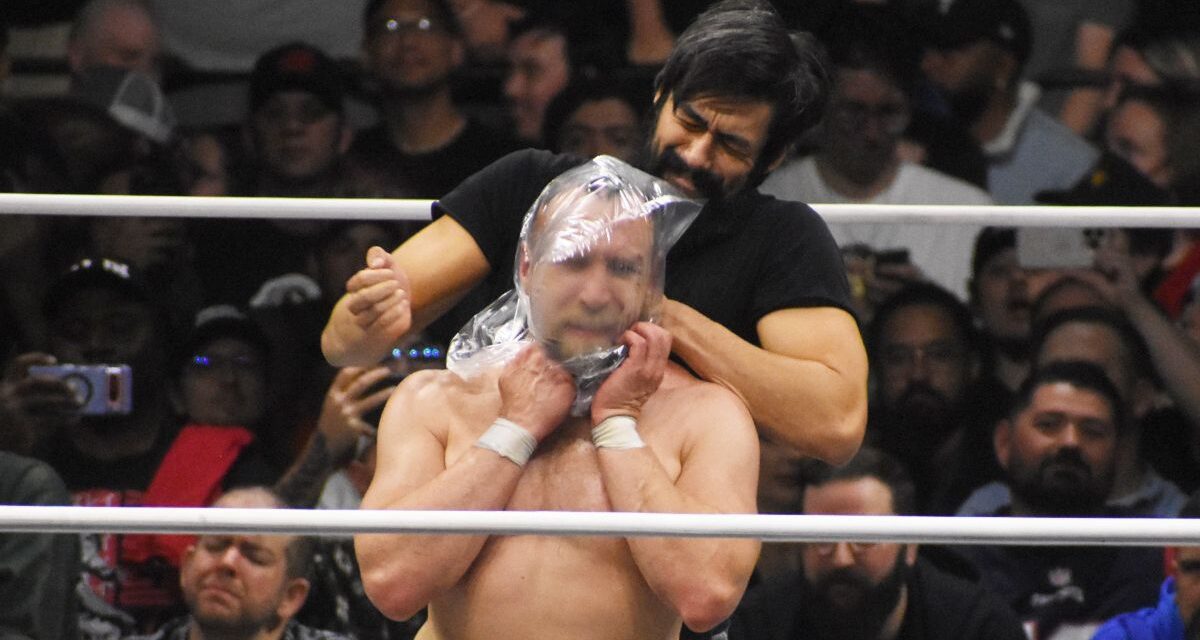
[435, 399]
[685, 401]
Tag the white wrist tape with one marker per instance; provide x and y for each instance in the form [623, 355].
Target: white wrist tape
[617, 432]
[508, 439]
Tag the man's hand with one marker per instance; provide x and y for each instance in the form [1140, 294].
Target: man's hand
[378, 296]
[345, 403]
[638, 377]
[536, 392]
[886, 279]
[1112, 259]
[39, 406]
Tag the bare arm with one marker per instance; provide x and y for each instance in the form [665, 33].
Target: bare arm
[807, 385]
[702, 578]
[402, 573]
[339, 426]
[402, 292]
[650, 39]
[1083, 106]
[1176, 358]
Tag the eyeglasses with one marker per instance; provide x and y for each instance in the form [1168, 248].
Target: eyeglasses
[240, 364]
[936, 354]
[826, 549]
[853, 116]
[396, 26]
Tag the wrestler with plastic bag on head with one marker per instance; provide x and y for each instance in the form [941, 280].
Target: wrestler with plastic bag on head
[560, 396]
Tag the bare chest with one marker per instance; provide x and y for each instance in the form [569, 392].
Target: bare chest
[564, 475]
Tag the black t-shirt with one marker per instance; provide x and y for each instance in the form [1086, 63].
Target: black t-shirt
[940, 606]
[1055, 588]
[737, 262]
[432, 174]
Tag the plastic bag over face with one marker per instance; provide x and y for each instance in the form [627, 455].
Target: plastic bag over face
[590, 263]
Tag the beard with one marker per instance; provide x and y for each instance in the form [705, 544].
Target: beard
[1192, 629]
[243, 624]
[920, 405]
[1014, 348]
[860, 619]
[1060, 485]
[860, 162]
[917, 424]
[667, 161]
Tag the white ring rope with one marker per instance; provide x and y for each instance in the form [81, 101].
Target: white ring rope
[771, 528]
[380, 209]
[195, 207]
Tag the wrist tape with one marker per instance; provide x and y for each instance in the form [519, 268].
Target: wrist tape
[617, 432]
[508, 439]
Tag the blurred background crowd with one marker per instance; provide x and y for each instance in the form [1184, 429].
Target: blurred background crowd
[1065, 102]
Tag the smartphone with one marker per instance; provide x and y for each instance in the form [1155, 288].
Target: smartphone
[1057, 247]
[892, 256]
[102, 389]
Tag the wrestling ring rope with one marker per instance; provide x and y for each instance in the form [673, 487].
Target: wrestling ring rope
[378, 209]
[769, 528]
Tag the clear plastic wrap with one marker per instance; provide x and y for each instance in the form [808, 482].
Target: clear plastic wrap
[590, 262]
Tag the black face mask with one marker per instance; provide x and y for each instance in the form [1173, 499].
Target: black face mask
[824, 620]
[969, 103]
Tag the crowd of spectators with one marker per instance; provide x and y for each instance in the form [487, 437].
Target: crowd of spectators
[1005, 381]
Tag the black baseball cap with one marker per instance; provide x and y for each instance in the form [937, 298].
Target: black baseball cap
[965, 22]
[95, 272]
[297, 66]
[223, 321]
[1111, 182]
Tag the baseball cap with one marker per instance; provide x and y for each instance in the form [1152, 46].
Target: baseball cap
[223, 321]
[1111, 182]
[131, 98]
[95, 272]
[300, 67]
[964, 22]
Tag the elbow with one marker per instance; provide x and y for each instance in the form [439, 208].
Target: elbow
[332, 349]
[846, 437]
[397, 599]
[704, 609]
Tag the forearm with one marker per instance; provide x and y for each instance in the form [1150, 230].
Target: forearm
[346, 344]
[702, 578]
[402, 573]
[1176, 359]
[302, 483]
[818, 407]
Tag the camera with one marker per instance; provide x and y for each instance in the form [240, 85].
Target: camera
[102, 389]
[1057, 248]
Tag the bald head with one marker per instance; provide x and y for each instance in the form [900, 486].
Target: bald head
[116, 33]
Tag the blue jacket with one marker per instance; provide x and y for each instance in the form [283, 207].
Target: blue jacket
[1158, 623]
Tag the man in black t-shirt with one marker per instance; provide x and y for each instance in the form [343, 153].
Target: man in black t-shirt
[758, 294]
[424, 144]
[868, 591]
[1058, 450]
